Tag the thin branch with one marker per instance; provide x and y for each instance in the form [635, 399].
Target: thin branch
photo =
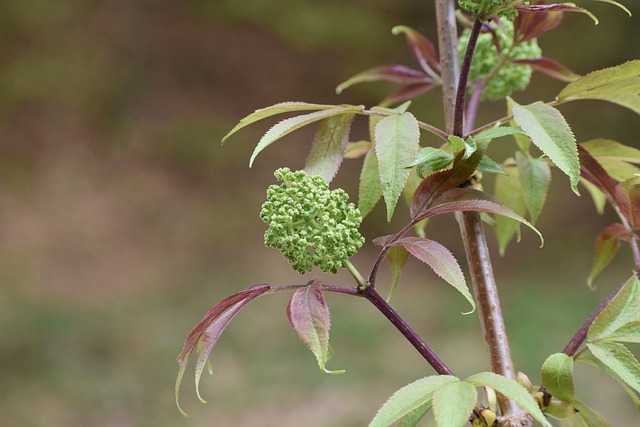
[472, 108]
[458, 116]
[448, 46]
[426, 126]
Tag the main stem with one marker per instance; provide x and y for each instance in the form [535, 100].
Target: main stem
[485, 289]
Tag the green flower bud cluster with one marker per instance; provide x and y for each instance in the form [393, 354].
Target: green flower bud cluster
[509, 77]
[310, 224]
[487, 9]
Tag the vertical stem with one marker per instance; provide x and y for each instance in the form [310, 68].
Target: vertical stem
[458, 118]
[472, 107]
[448, 46]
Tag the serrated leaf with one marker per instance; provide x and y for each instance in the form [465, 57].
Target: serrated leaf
[511, 389]
[550, 68]
[391, 73]
[287, 126]
[283, 107]
[620, 360]
[309, 315]
[535, 178]
[488, 135]
[623, 308]
[206, 333]
[357, 149]
[397, 257]
[441, 261]
[562, 7]
[630, 332]
[607, 149]
[607, 245]
[507, 189]
[453, 403]
[370, 188]
[588, 357]
[557, 377]
[430, 159]
[408, 398]
[422, 48]
[329, 145]
[457, 144]
[413, 418]
[626, 100]
[488, 165]
[396, 143]
[614, 80]
[550, 132]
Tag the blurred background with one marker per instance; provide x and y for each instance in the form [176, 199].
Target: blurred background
[123, 220]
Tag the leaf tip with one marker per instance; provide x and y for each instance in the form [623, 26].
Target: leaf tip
[336, 372]
[398, 29]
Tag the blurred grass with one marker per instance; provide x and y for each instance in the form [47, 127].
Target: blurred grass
[123, 221]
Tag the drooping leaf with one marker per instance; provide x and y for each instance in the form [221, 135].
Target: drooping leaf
[618, 4]
[557, 377]
[422, 48]
[309, 314]
[205, 334]
[441, 261]
[626, 100]
[623, 308]
[283, 107]
[329, 145]
[453, 403]
[607, 149]
[589, 417]
[550, 132]
[357, 149]
[620, 360]
[535, 178]
[607, 245]
[396, 143]
[408, 92]
[598, 197]
[409, 398]
[488, 135]
[621, 79]
[531, 25]
[588, 357]
[595, 174]
[370, 189]
[397, 257]
[413, 418]
[434, 185]
[549, 67]
[508, 190]
[562, 7]
[511, 389]
[391, 73]
[289, 125]
[630, 191]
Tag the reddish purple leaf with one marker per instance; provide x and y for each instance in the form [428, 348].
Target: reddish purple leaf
[630, 192]
[422, 48]
[406, 93]
[207, 332]
[392, 73]
[564, 7]
[593, 172]
[549, 67]
[531, 25]
[607, 245]
[309, 314]
[383, 241]
[435, 184]
[441, 261]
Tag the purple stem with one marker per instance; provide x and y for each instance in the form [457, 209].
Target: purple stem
[458, 117]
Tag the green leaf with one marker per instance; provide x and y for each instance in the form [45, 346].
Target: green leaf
[607, 149]
[357, 149]
[557, 377]
[488, 135]
[431, 159]
[620, 360]
[508, 190]
[607, 245]
[511, 389]
[309, 315]
[590, 417]
[588, 357]
[621, 79]
[413, 418]
[615, 3]
[396, 143]
[329, 145]
[441, 261]
[283, 107]
[630, 332]
[626, 100]
[535, 177]
[370, 189]
[453, 403]
[287, 126]
[489, 165]
[550, 132]
[408, 398]
[598, 197]
[624, 308]
[397, 257]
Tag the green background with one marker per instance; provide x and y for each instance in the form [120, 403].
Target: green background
[122, 220]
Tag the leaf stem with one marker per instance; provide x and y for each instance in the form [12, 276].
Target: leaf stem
[458, 117]
[426, 126]
[355, 273]
[409, 333]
